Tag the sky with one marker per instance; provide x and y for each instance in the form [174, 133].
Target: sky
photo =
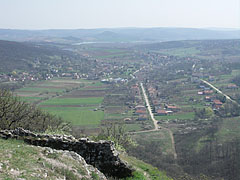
[86, 14]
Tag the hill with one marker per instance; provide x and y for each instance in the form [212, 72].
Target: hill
[117, 34]
[19, 160]
[24, 56]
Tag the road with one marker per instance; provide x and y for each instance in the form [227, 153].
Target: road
[156, 126]
[149, 108]
[216, 89]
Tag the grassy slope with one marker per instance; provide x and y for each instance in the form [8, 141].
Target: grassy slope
[18, 160]
[144, 171]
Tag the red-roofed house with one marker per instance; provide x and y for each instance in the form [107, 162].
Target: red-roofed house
[217, 104]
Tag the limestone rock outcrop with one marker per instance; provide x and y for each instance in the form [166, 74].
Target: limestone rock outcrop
[102, 155]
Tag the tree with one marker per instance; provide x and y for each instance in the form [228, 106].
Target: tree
[15, 113]
[204, 113]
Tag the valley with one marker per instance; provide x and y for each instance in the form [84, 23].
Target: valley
[179, 100]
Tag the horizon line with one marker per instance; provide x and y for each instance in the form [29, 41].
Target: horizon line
[127, 27]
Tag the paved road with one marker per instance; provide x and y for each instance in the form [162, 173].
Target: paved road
[149, 108]
[216, 89]
[156, 126]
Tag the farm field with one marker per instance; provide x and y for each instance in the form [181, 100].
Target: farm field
[75, 101]
[42, 90]
[80, 107]
[72, 101]
[83, 103]
[78, 116]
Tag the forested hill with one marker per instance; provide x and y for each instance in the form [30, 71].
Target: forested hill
[24, 56]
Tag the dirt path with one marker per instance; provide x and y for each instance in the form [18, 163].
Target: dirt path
[156, 126]
[220, 92]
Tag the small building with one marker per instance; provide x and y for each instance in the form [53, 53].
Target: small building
[127, 119]
[140, 107]
[217, 104]
[202, 87]
[169, 112]
[139, 111]
[172, 108]
[216, 101]
[208, 98]
[162, 112]
[208, 91]
[232, 86]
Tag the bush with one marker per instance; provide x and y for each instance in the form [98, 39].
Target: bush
[116, 132]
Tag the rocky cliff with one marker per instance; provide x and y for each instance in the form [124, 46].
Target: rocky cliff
[102, 155]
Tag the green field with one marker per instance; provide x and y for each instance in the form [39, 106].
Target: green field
[189, 115]
[77, 116]
[73, 101]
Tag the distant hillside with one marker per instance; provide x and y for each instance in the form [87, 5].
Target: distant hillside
[23, 56]
[225, 48]
[118, 34]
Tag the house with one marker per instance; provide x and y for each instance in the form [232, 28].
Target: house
[162, 112]
[208, 91]
[172, 108]
[232, 86]
[127, 119]
[202, 87]
[169, 112]
[200, 93]
[208, 98]
[217, 104]
[216, 101]
[140, 107]
[139, 111]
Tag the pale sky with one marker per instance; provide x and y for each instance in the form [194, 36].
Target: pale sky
[78, 14]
